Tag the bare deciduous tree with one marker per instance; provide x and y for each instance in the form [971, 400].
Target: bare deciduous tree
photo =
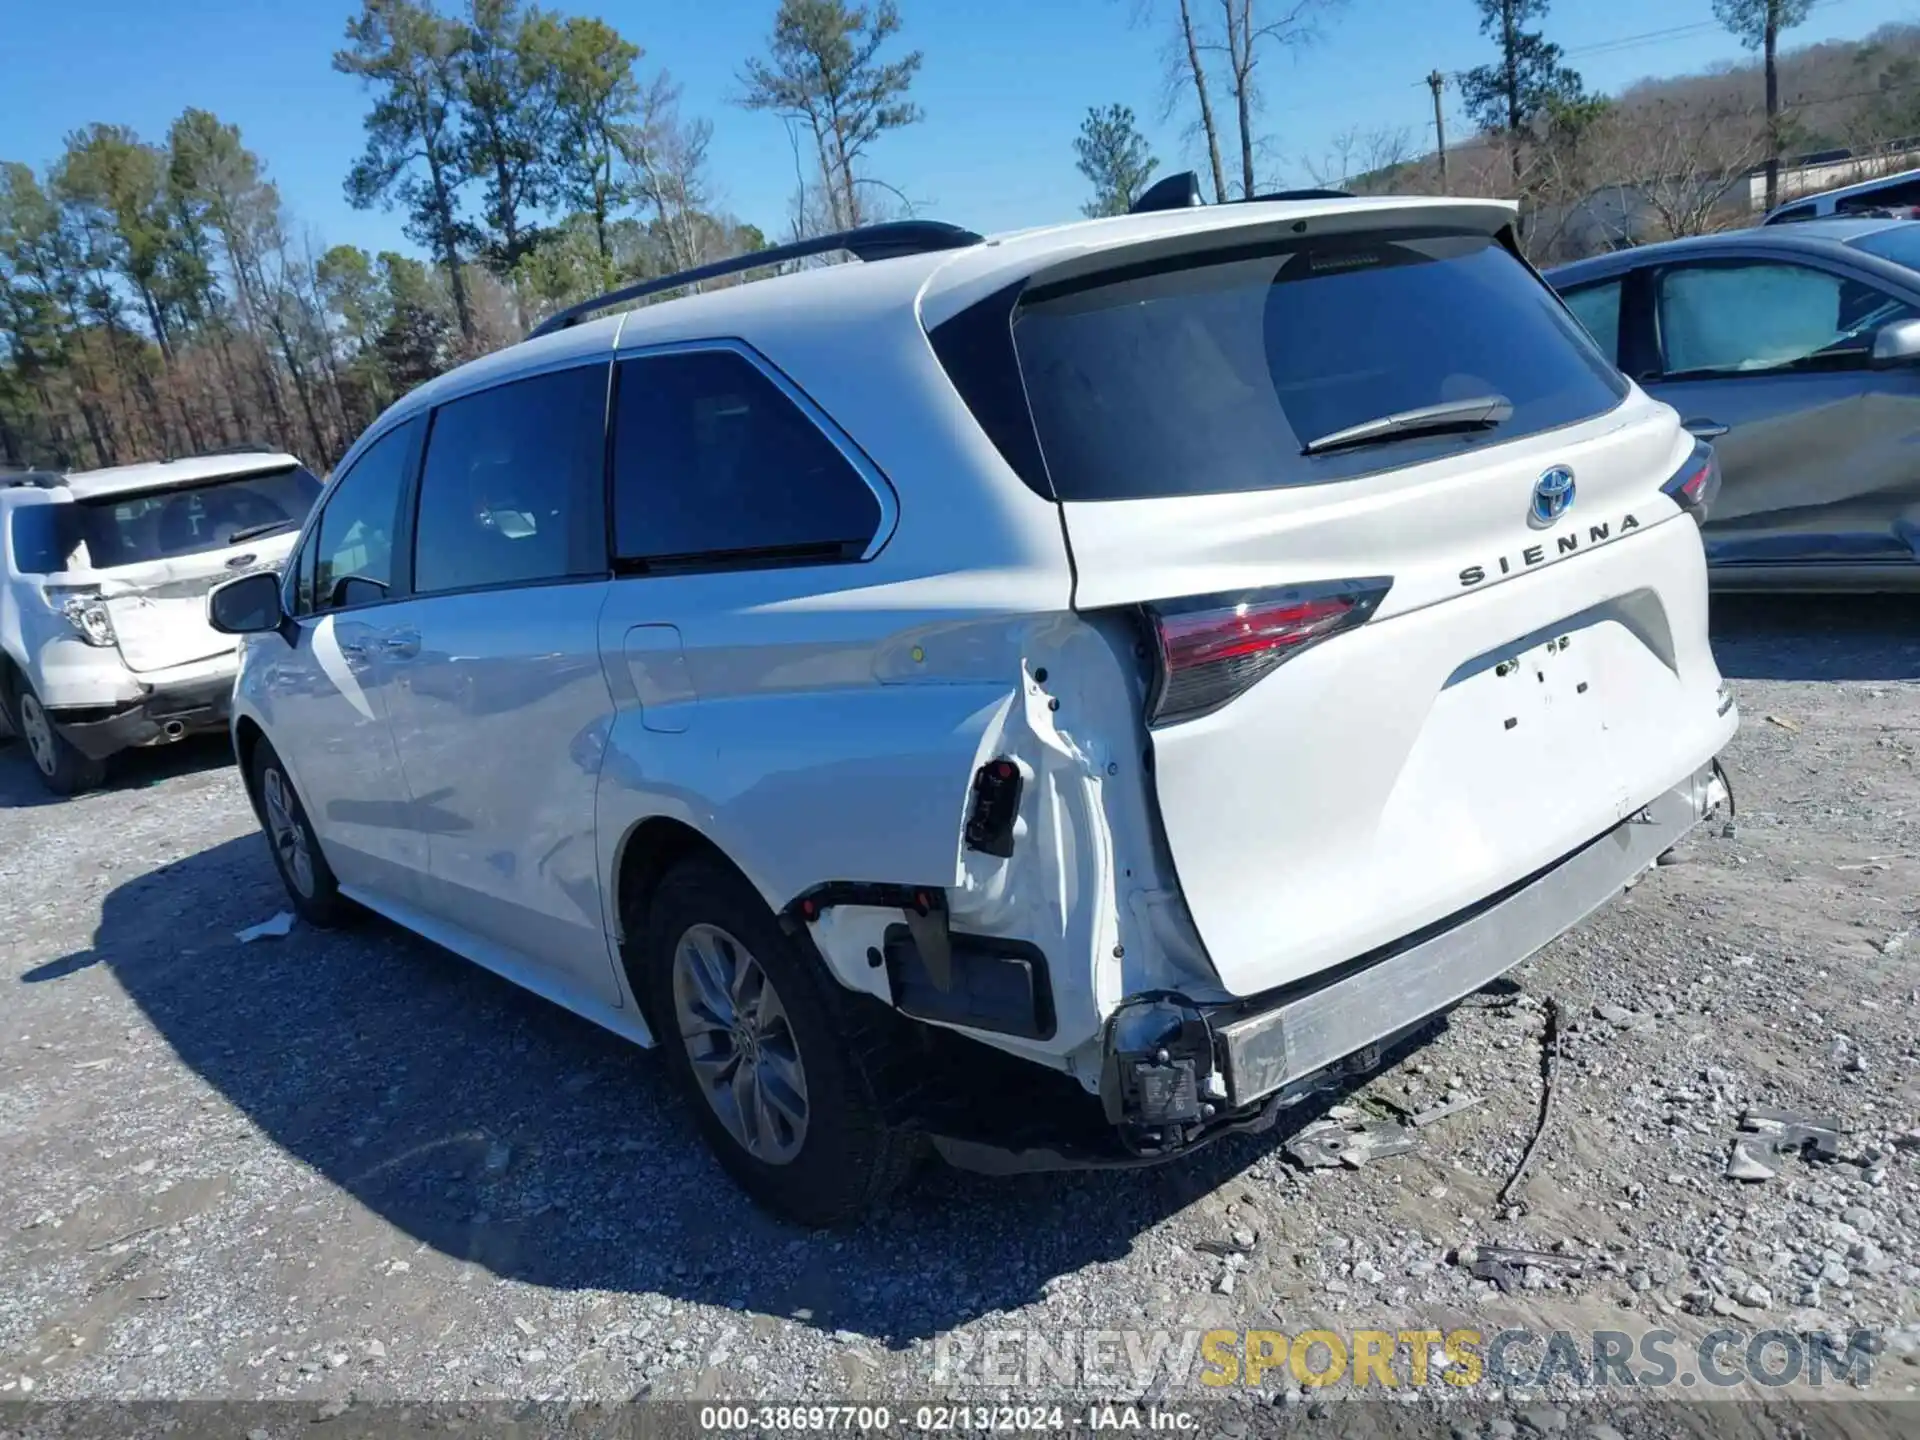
[1364, 161]
[1248, 29]
[1678, 165]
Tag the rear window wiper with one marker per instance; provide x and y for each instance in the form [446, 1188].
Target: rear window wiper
[254, 532]
[1481, 413]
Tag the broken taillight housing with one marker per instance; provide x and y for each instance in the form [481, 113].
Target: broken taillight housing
[85, 610]
[1213, 647]
[1695, 484]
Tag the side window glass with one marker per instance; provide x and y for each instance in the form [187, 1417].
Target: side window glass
[1735, 319]
[1598, 308]
[1885, 197]
[511, 489]
[354, 539]
[712, 461]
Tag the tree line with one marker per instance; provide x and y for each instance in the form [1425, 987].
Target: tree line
[157, 297]
[1662, 159]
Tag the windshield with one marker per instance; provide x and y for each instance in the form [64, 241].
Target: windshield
[1214, 376]
[1898, 243]
[193, 519]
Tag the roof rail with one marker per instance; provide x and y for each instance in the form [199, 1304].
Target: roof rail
[39, 479]
[869, 242]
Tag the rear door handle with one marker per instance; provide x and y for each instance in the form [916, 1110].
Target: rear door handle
[353, 649]
[401, 644]
[1705, 429]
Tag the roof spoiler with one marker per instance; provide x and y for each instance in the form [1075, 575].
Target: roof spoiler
[244, 447]
[1181, 191]
[869, 242]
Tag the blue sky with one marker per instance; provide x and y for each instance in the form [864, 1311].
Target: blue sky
[1004, 88]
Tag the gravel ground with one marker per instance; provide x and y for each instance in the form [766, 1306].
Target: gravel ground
[352, 1166]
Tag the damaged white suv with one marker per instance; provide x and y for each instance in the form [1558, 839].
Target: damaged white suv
[104, 640]
[1057, 698]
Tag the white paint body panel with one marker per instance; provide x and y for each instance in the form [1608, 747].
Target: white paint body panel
[1367, 787]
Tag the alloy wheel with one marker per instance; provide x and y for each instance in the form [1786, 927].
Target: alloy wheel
[288, 835]
[740, 1043]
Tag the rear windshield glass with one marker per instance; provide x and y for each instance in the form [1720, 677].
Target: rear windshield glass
[1213, 376]
[167, 524]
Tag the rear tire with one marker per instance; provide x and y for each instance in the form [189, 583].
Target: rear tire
[751, 1032]
[62, 767]
[295, 848]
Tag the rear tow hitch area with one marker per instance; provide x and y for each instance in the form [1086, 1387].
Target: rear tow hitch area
[1158, 1082]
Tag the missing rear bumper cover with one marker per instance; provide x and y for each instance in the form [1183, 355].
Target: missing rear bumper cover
[98, 731]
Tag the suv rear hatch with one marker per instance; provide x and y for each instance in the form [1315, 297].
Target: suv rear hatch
[1421, 620]
[152, 556]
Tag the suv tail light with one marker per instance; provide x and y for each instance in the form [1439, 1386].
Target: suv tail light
[1212, 648]
[83, 607]
[1695, 484]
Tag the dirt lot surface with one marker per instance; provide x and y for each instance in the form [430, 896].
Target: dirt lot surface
[350, 1166]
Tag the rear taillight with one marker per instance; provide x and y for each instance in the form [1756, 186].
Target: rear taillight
[1695, 483]
[1213, 647]
[82, 607]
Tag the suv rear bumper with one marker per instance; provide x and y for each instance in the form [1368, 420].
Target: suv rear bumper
[1298, 1033]
[168, 711]
[1277, 1049]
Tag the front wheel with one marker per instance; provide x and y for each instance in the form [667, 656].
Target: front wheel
[749, 1030]
[63, 768]
[296, 850]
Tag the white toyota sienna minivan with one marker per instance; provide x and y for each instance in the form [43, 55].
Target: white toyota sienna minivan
[1054, 699]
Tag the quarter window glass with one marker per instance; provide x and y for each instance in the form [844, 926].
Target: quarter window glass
[1598, 308]
[511, 489]
[45, 538]
[711, 459]
[1739, 318]
[355, 538]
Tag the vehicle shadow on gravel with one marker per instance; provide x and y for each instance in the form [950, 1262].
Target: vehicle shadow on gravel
[20, 785]
[1817, 637]
[499, 1129]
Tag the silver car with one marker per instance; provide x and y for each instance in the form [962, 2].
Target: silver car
[1796, 351]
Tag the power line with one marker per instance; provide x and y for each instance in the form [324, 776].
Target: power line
[1628, 42]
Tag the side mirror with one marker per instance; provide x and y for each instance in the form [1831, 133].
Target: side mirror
[1897, 344]
[247, 606]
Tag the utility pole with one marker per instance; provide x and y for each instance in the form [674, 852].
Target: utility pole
[1437, 82]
